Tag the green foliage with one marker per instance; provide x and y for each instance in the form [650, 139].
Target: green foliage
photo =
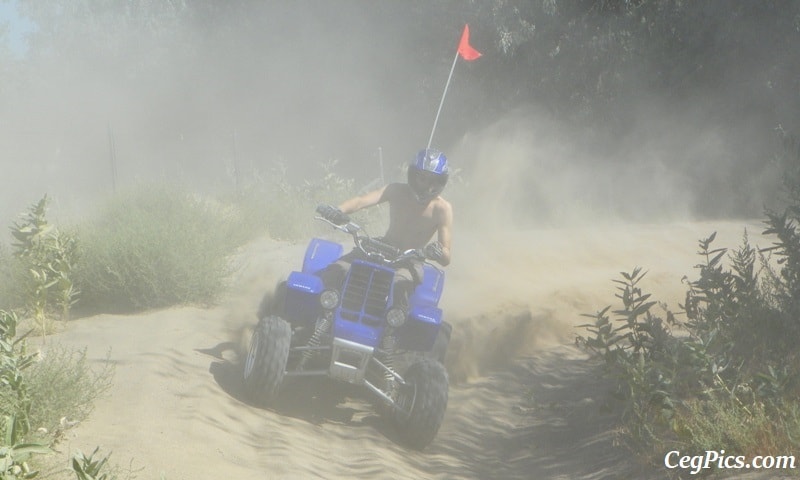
[155, 247]
[789, 162]
[63, 387]
[720, 421]
[87, 468]
[281, 205]
[15, 422]
[47, 259]
[14, 459]
[711, 378]
[15, 360]
[159, 246]
[576, 55]
[287, 208]
[729, 375]
[641, 354]
[785, 285]
[8, 295]
[38, 392]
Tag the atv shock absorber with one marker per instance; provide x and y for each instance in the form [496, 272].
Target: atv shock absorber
[321, 327]
[388, 346]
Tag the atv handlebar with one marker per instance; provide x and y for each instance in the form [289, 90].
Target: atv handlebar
[372, 247]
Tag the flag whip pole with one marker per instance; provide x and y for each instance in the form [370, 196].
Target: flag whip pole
[465, 50]
[439, 111]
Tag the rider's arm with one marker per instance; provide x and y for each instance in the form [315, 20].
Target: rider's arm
[445, 217]
[367, 200]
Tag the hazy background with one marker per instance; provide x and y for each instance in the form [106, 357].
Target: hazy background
[578, 110]
[583, 115]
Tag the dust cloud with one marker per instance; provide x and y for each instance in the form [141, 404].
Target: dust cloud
[548, 210]
[544, 223]
[208, 99]
[213, 99]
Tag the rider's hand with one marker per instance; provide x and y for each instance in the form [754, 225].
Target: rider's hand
[433, 251]
[333, 214]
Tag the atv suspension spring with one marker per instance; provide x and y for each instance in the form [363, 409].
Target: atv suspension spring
[322, 326]
[388, 347]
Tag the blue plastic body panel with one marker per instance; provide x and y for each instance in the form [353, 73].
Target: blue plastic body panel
[357, 332]
[429, 292]
[364, 323]
[320, 253]
[302, 292]
[420, 330]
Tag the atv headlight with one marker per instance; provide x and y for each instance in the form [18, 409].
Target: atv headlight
[329, 299]
[396, 317]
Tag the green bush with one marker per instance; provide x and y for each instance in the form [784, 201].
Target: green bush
[711, 380]
[287, 209]
[729, 375]
[50, 392]
[63, 387]
[15, 408]
[159, 246]
[91, 468]
[9, 288]
[155, 247]
[45, 259]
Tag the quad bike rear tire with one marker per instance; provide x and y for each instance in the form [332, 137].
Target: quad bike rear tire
[421, 403]
[265, 364]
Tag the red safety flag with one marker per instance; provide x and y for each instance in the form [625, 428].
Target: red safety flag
[465, 49]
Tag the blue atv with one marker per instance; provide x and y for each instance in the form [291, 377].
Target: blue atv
[352, 335]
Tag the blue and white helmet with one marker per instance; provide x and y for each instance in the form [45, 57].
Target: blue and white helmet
[428, 174]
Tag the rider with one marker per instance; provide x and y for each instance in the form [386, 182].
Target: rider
[416, 213]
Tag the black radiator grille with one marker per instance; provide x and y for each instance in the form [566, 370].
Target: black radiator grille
[367, 290]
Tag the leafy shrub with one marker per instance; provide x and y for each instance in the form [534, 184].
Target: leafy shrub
[39, 394]
[641, 355]
[714, 369]
[287, 209]
[89, 468]
[63, 387]
[9, 288]
[47, 258]
[727, 376]
[159, 246]
[751, 427]
[156, 247]
[17, 401]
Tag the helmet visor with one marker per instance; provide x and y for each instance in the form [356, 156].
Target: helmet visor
[428, 185]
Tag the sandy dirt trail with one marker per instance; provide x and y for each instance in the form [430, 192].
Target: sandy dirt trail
[524, 403]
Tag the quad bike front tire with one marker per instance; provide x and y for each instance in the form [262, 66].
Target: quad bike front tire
[421, 403]
[265, 364]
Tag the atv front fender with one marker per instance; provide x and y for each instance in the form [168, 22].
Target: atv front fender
[301, 305]
[420, 330]
[320, 253]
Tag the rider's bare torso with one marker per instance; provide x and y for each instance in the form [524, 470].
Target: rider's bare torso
[411, 224]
